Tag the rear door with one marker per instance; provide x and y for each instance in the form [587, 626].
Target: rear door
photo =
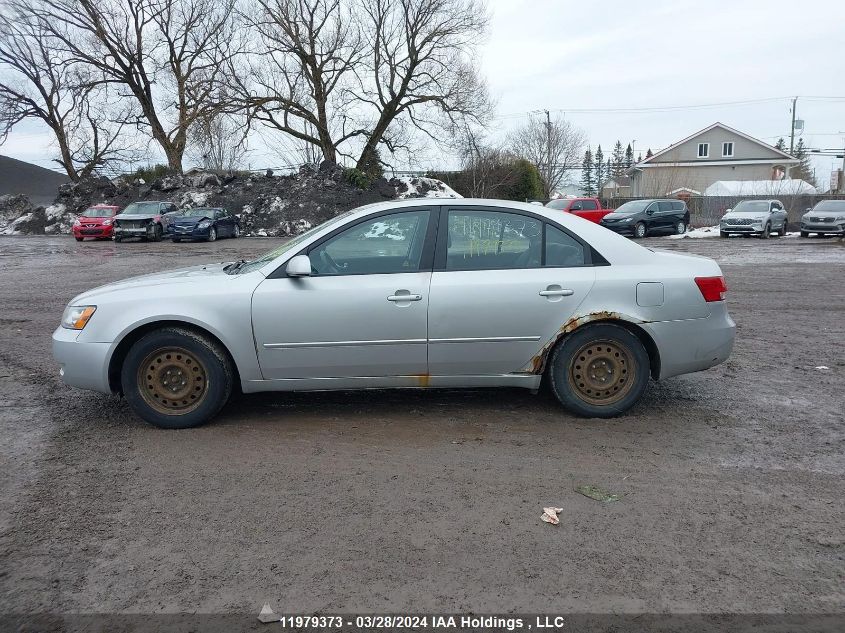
[590, 210]
[504, 283]
[362, 312]
[778, 214]
[664, 219]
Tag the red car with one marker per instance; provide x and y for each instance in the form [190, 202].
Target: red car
[587, 208]
[95, 222]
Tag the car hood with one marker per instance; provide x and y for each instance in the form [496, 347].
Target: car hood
[136, 216]
[839, 215]
[746, 214]
[93, 219]
[613, 215]
[178, 276]
[188, 221]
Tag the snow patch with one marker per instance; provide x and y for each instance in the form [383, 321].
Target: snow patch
[704, 231]
[193, 199]
[420, 187]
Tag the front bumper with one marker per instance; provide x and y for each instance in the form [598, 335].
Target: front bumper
[692, 345]
[120, 231]
[623, 229]
[83, 365]
[826, 228]
[189, 233]
[740, 228]
[100, 231]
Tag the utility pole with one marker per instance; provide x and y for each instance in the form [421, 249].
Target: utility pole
[792, 127]
[548, 154]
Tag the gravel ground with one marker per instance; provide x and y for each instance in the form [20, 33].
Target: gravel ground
[430, 501]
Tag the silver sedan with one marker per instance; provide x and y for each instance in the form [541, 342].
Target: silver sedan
[464, 293]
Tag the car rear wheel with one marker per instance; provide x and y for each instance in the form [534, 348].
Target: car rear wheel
[782, 231]
[237, 232]
[212, 234]
[599, 371]
[681, 227]
[640, 230]
[176, 379]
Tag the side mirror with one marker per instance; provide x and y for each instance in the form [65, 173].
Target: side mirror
[728, 210]
[299, 266]
[807, 210]
[575, 207]
[650, 212]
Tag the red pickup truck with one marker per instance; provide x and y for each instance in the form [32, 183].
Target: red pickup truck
[587, 208]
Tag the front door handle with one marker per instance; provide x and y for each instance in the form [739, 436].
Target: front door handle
[559, 292]
[405, 297]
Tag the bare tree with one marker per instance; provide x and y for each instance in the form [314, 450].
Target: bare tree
[297, 78]
[219, 141]
[420, 72]
[168, 54]
[41, 82]
[555, 146]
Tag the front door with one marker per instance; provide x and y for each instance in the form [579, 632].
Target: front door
[503, 288]
[362, 312]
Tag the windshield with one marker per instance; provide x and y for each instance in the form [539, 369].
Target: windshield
[141, 207]
[635, 206]
[199, 213]
[98, 213]
[269, 256]
[558, 204]
[830, 205]
[754, 206]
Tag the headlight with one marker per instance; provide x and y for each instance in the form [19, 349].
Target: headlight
[626, 219]
[106, 222]
[204, 224]
[76, 222]
[76, 317]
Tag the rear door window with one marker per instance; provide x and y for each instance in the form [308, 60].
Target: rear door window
[563, 250]
[492, 240]
[589, 205]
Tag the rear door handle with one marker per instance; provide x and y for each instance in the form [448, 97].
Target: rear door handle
[404, 297]
[562, 292]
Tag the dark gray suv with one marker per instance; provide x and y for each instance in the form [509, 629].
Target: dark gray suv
[643, 217]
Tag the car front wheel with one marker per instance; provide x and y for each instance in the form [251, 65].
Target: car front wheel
[175, 378]
[599, 371]
[640, 230]
[212, 234]
[767, 231]
[805, 234]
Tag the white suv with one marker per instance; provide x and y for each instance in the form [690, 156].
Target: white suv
[754, 217]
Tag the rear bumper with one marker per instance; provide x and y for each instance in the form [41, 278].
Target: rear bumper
[83, 365]
[693, 345]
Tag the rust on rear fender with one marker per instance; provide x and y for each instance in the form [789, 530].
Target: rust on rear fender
[537, 364]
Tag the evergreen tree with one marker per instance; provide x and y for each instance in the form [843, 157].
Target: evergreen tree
[804, 169]
[598, 170]
[617, 160]
[587, 183]
[781, 144]
[629, 156]
[649, 153]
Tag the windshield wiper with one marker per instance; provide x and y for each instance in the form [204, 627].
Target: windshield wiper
[234, 266]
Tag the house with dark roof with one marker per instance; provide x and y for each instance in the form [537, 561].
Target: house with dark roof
[717, 152]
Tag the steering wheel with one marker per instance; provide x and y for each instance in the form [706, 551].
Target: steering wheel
[328, 262]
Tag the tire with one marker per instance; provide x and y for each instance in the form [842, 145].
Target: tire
[118, 240]
[78, 239]
[178, 354]
[804, 234]
[767, 231]
[782, 230]
[680, 227]
[625, 367]
[237, 232]
[176, 240]
[212, 235]
[640, 230]
[158, 233]
[723, 234]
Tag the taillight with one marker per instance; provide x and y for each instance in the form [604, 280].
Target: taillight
[712, 288]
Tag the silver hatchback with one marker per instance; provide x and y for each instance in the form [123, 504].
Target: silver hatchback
[422, 294]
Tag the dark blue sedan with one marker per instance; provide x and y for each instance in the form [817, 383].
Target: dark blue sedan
[204, 224]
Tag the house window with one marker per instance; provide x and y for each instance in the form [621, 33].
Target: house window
[727, 150]
[703, 150]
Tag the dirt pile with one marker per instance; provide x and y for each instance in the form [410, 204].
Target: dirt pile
[269, 205]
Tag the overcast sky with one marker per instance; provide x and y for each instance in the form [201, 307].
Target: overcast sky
[568, 56]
